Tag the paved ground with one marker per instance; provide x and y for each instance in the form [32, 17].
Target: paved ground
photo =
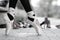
[30, 34]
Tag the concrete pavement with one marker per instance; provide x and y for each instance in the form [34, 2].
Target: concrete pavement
[30, 34]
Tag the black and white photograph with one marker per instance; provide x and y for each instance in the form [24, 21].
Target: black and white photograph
[29, 20]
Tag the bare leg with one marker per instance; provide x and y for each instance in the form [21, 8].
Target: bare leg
[35, 26]
[38, 26]
[8, 24]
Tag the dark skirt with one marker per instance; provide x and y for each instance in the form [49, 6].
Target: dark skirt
[12, 3]
[25, 3]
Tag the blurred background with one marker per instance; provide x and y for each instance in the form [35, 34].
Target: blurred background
[50, 8]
